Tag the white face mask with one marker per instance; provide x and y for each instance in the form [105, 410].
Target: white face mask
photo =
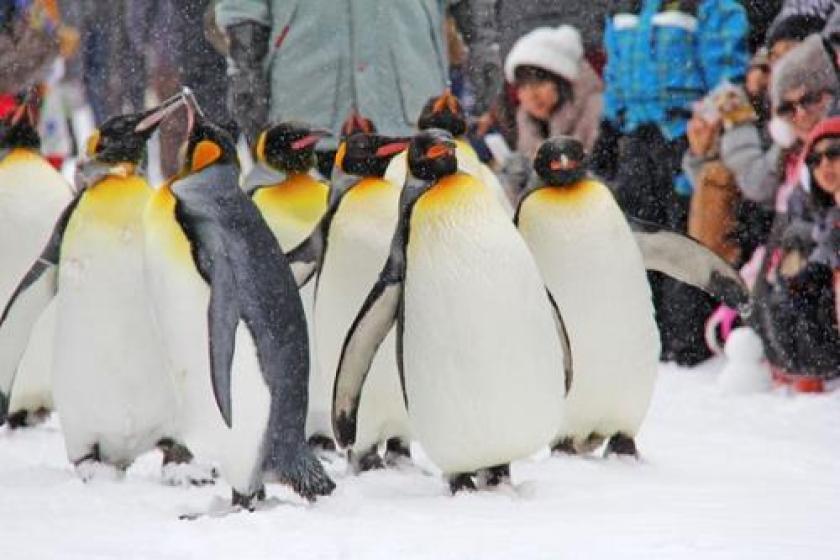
[782, 132]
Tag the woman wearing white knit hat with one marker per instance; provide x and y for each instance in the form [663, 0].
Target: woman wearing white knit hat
[559, 93]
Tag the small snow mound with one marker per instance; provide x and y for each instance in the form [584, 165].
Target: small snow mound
[745, 371]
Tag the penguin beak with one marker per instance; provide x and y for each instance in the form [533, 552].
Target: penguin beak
[155, 116]
[310, 139]
[446, 101]
[391, 148]
[440, 150]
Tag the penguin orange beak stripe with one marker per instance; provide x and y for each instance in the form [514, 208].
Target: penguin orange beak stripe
[446, 100]
[306, 141]
[391, 148]
[557, 165]
[438, 150]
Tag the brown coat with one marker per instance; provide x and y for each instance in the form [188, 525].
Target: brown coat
[712, 215]
[579, 118]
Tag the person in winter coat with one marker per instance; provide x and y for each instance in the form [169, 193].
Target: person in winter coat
[559, 93]
[796, 289]
[662, 57]
[318, 60]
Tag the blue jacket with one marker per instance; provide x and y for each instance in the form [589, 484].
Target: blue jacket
[662, 55]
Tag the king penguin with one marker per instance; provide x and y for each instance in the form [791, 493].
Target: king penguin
[478, 341]
[233, 323]
[292, 201]
[446, 113]
[594, 264]
[349, 248]
[111, 384]
[32, 196]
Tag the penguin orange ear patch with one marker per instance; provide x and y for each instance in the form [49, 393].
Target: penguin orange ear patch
[205, 153]
[92, 144]
[260, 150]
[339, 155]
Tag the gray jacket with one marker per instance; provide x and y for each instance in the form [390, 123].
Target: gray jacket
[386, 57]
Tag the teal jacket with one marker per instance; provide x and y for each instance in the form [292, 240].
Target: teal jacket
[385, 56]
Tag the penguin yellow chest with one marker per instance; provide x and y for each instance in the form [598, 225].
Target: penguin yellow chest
[292, 208]
[110, 212]
[164, 236]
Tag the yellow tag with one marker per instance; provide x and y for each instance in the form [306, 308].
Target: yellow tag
[205, 153]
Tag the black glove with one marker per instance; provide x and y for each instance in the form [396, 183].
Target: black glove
[603, 161]
[248, 91]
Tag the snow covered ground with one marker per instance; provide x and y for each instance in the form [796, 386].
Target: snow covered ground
[722, 476]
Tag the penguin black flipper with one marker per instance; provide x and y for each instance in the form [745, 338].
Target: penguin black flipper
[688, 261]
[222, 317]
[564, 341]
[366, 334]
[28, 301]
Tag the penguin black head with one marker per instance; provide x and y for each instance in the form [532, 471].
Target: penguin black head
[208, 144]
[368, 155]
[444, 112]
[560, 161]
[431, 155]
[289, 146]
[123, 138]
[19, 129]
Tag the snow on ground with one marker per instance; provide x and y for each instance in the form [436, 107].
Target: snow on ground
[723, 476]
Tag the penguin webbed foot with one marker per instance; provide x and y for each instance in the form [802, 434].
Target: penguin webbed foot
[462, 482]
[365, 461]
[91, 466]
[247, 501]
[397, 452]
[305, 475]
[320, 442]
[495, 476]
[27, 418]
[179, 467]
[565, 446]
[621, 444]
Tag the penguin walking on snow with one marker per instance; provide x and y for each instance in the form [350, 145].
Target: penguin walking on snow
[349, 248]
[32, 196]
[477, 338]
[594, 265]
[111, 384]
[292, 201]
[233, 323]
[445, 112]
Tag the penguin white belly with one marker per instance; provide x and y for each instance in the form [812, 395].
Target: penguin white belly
[33, 383]
[111, 383]
[482, 357]
[357, 249]
[593, 267]
[181, 299]
[32, 196]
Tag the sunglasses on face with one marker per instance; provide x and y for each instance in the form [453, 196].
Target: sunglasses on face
[788, 108]
[832, 153]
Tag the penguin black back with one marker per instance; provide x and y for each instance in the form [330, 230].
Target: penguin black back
[560, 161]
[444, 112]
[368, 155]
[431, 155]
[289, 146]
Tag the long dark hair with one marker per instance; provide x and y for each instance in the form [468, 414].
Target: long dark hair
[526, 74]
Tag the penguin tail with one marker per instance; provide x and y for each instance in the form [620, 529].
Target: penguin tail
[305, 475]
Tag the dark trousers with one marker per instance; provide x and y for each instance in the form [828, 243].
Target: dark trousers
[644, 188]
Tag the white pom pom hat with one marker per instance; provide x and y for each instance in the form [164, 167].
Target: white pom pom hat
[556, 49]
